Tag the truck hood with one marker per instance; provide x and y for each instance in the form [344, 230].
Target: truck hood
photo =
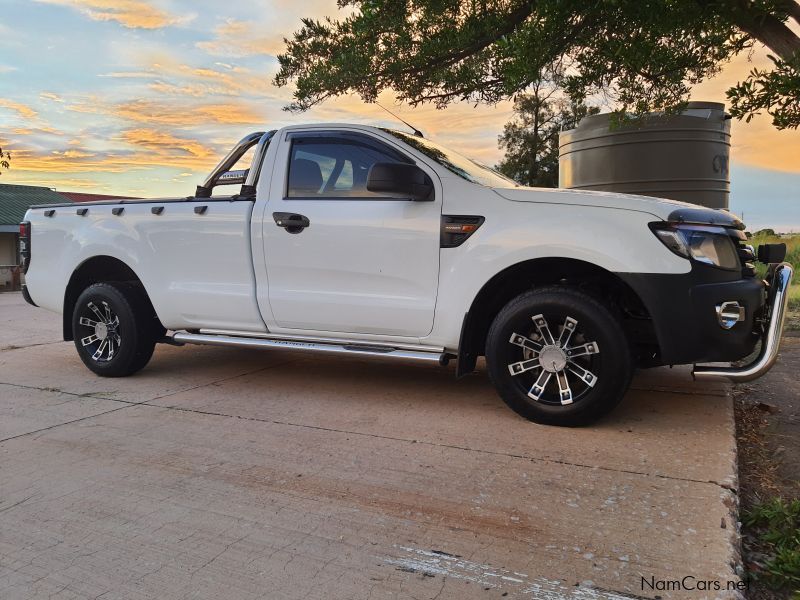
[662, 208]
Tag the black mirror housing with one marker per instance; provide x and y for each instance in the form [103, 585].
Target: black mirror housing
[402, 179]
[770, 254]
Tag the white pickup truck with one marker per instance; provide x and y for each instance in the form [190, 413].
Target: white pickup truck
[366, 241]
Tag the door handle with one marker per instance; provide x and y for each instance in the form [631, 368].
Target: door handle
[291, 222]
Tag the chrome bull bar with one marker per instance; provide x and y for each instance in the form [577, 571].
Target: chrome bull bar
[771, 341]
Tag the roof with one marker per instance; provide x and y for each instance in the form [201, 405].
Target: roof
[82, 197]
[16, 199]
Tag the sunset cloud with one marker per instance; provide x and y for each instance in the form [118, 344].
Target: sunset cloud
[237, 39]
[173, 113]
[134, 14]
[177, 79]
[167, 144]
[22, 110]
[141, 149]
[131, 101]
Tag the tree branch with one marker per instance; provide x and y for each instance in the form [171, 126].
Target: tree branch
[511, 21]
[793, 10]
[773, 33]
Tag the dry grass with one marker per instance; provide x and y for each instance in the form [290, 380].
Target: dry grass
[758, 482]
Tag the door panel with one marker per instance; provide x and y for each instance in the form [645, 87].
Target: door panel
[366, 263]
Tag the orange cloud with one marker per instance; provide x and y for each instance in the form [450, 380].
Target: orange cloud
[134, 14]
[44, 129]
[167, 144]
[175, 114]
[26, 112]
[147, 111]
[241, 38]
[134, 149]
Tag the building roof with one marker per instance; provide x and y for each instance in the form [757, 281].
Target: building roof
[82, 197]
[15, 200]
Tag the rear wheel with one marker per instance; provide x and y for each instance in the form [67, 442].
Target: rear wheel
[558, 356]
[113, 329]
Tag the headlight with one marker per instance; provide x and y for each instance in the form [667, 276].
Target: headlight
[703, 243]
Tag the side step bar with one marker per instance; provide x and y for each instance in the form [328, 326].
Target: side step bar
[353, 349]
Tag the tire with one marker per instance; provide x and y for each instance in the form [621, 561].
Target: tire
[548, 386]
[114, 329]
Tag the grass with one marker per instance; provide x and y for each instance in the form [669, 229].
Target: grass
[792, 256]
[777, 524]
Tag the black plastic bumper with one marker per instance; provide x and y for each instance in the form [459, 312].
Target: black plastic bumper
[26, 294]
[683, 310]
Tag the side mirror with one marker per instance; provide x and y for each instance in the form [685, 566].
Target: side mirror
[402, 179]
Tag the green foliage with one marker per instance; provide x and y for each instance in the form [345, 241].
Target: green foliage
[768, 236]
[775, 92]
[5, 160]
[778, 526]
[643, 54]
[530, 140]
[764, 233]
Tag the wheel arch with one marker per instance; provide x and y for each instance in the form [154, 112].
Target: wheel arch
[97, 269]
[517, 278]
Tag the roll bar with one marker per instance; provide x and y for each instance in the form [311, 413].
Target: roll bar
[248, 178]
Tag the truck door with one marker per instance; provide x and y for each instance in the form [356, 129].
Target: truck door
[340, 258]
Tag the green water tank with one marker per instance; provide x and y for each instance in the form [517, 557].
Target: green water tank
[683, 156]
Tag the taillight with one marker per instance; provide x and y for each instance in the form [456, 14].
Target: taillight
[25, 244]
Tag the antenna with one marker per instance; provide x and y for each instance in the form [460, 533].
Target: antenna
[416, 131]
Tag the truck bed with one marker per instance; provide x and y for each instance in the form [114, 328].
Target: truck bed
[215, 287]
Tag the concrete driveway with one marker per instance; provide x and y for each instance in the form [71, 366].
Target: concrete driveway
[225, 474]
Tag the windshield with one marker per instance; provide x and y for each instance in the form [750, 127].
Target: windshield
[454, 162]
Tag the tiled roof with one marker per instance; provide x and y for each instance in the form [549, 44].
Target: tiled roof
[16, 199]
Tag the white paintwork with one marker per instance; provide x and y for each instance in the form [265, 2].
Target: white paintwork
[196, 269]
[364, 270]
[363, 266]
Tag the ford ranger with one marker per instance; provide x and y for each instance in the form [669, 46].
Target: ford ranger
[365, 241]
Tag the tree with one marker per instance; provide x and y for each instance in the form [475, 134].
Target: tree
[530, 140]
[5, 160]
[644, 54]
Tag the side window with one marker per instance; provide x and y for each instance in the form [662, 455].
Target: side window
[335, 167]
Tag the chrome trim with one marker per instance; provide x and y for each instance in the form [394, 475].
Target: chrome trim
[322, 340]
[232, 158]
[770, 344]
[352, 349]
[258, 159]
[729, 313]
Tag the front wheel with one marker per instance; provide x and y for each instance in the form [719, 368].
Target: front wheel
[113, 332]
[558, 356]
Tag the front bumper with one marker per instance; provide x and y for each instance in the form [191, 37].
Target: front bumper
[771, 338]
[682, 309]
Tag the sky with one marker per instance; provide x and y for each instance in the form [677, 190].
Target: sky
[143, 97]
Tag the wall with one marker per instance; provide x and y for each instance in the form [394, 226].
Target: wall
[8, 256]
